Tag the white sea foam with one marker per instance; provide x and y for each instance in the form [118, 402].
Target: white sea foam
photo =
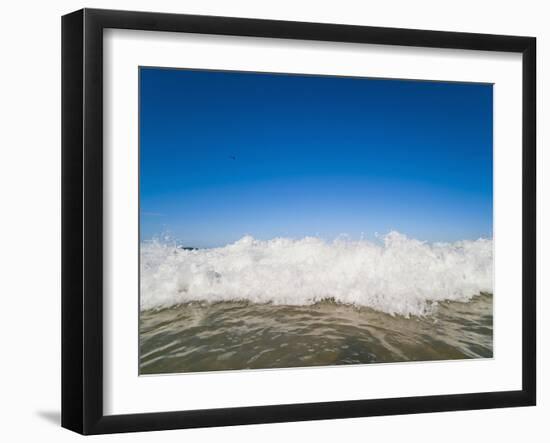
[399, 275]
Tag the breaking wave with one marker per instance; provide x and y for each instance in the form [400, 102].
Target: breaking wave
[399, 275]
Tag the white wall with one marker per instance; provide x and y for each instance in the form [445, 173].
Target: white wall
[30, 217]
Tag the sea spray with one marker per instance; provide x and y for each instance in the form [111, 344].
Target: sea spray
[399, 275]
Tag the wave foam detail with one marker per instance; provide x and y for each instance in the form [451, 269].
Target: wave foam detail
[398, 276]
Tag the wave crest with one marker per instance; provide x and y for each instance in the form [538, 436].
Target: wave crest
[398, 276]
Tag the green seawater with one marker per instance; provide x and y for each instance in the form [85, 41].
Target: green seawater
[195, 337]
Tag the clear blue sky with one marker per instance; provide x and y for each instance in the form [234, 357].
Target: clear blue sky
[224, 154]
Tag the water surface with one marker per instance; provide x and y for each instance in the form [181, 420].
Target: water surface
[233, 335]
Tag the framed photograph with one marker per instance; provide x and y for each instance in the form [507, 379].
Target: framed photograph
[268, 221]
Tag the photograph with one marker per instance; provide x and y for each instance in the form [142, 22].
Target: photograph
[291, 220]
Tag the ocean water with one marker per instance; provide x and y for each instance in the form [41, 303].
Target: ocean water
[308, 302]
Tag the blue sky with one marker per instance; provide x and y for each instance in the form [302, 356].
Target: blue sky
[224, 154]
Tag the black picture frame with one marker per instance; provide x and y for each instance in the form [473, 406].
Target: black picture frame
[82, 218]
